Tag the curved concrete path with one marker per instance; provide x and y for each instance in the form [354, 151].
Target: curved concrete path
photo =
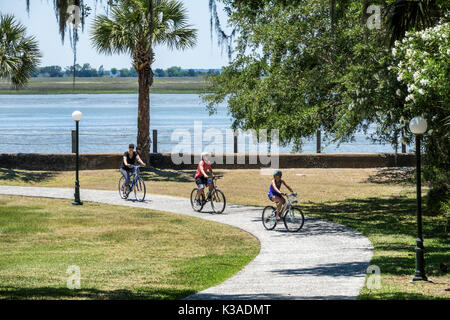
[322, 261]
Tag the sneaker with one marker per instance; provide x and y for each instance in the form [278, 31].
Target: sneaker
[198, 203]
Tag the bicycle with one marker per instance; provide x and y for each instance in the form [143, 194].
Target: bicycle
[217, 198]
[137, 185]
[291, 215]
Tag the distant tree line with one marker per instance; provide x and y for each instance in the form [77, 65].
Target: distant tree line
[178, 72]
[86, 71]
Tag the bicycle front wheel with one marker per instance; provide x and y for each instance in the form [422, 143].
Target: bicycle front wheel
[139, 189]
[218, 201]
[269, 218]
[294, 219]
[197, 206]
[121, 187]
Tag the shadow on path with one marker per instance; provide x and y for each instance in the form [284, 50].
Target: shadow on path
[262, 296]
[349, 269]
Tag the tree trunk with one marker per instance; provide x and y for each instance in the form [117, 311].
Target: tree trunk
[143, 60]
[143, 139]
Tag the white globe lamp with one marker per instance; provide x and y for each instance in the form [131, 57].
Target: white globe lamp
[418, 125]
[77, 115]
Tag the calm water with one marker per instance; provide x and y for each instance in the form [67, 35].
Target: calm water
[43, 123]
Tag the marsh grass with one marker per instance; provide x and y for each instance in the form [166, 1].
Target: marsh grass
[105, 85]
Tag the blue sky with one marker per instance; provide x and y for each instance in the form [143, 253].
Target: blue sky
[41, 22]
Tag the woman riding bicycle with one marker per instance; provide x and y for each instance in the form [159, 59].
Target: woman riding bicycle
[275, 194]
[129, 159]
[201, 176]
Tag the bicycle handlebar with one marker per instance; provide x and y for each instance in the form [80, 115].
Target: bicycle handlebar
[293, 194]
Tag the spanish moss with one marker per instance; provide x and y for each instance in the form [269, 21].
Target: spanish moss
[224, 40]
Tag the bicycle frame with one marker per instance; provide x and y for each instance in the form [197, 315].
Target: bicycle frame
[213, 187]
[134, 176]
[290, 201]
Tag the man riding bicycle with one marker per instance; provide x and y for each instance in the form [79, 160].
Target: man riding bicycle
[201, 177]
[129, 159]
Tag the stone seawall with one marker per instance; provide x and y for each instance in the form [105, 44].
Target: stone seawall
[66, 162]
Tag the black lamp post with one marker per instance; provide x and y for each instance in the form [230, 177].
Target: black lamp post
[76, 116]
[418, 126]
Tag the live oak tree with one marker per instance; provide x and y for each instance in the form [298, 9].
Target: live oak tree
[297, 71]
[132, 27]
[285, 74]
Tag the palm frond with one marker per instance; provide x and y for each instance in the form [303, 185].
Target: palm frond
[127, 28]
[19, 54]
[405, 15]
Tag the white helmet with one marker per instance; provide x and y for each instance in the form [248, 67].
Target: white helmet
[205, 154]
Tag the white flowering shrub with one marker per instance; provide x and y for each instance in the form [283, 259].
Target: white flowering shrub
[423, 65]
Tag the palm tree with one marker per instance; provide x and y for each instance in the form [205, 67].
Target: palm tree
[405, 15]
[19, 54]
[128, 31]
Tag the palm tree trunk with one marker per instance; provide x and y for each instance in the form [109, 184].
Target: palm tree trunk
[142, 63]
[143, 139]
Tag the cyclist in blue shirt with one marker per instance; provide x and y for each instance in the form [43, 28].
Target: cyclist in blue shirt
[275, 194]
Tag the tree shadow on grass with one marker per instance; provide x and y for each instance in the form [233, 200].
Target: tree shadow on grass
[395, 219]
[25, 176]
[17, 293]
[392, 176]
[155, 174]
[389, 216]
[382, 295]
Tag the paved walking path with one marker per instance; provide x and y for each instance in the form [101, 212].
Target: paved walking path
[322, 261]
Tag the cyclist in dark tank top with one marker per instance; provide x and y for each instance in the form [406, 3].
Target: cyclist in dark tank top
[129, 158]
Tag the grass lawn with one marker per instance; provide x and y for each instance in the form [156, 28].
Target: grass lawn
[105, 85]
[123, 253]
[380, 203]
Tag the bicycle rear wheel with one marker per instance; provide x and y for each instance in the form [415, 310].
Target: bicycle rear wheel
[139, 189]
[294, 219]
[268, 218]
[121, 187]
[218, 201]
[195, 206]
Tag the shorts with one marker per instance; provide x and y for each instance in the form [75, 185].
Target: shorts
[271, 194]
[202, 182]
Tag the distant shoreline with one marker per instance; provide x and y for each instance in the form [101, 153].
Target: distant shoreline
[54, 86]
